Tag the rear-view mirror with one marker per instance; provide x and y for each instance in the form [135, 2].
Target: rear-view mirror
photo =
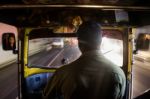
[143, 41]
[8, 41]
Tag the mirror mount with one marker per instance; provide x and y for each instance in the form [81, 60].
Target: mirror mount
[15, 51]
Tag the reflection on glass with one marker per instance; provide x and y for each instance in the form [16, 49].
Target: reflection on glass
[113, 50]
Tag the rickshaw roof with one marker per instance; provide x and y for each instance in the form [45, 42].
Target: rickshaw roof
[35, 13]
[99, 2]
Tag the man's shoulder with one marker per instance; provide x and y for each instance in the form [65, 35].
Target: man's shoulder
[113, 69]
[116, 69]
[111, 66]
[118, 74]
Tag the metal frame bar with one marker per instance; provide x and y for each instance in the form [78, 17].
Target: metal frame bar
[103, 7]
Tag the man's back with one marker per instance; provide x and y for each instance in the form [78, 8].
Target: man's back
[90, 77]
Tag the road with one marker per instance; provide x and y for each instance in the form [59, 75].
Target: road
[141, 77]
[8, 78]
[8, 82]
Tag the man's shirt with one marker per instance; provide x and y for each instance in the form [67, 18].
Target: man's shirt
[91, 76]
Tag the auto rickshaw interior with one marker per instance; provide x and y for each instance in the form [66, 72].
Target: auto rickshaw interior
[112, 45]
[42, 25]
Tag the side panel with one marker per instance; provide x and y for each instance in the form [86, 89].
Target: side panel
[32, 79]
[128, 62]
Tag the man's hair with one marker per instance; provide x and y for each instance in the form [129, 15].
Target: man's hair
[89, 34]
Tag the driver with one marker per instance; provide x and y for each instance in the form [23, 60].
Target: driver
[91, 76]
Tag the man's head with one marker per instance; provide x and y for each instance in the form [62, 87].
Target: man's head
[89, 36]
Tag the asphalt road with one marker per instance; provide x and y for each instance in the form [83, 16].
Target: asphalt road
[8, 75]
[8, 82]
[141, 77]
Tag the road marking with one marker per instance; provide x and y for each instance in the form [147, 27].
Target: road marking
[55, 57]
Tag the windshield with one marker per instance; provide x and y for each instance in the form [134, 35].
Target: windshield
[113, 50]
[58, 51]
[53, 52]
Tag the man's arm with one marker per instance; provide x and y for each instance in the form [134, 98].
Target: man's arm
[119, 84]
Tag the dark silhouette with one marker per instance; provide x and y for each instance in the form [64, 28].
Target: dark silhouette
[91, 76]
[8, 41]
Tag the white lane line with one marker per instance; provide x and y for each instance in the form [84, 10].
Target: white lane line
[55, 57]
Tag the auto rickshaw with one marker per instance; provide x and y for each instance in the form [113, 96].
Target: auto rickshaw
[38, 23]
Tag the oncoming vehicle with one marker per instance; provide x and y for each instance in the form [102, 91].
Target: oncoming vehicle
[58, 42]
[38, 22]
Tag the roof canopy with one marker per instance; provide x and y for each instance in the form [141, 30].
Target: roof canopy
[101, 2]
[33, 13]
